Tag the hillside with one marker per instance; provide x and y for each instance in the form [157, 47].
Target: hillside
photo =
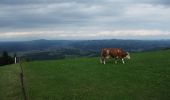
[10, 87]
[145, 77]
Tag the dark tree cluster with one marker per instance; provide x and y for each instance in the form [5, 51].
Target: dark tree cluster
[5, 59]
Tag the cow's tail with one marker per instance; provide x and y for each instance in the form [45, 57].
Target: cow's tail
[128, 55]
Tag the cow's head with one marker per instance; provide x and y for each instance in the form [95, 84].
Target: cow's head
[128, 55]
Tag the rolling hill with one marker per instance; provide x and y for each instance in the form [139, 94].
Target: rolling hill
[59, 49]
[145, 77]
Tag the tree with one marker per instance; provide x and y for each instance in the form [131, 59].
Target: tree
[6, 59]
[1, 61]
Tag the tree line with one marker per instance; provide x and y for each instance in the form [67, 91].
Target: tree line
[5, 59]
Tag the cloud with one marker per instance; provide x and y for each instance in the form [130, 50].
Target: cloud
[66, 35]
[79, 17]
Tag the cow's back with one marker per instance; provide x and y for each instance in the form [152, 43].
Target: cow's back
[117, 52]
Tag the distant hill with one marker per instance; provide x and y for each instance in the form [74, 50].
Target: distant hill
[57, 49]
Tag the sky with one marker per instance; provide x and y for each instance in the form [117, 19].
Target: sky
[84, 19]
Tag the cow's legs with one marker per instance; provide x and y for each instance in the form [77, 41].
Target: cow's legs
[104, 61]
[101, 60]
[123, 61]
[115, 60]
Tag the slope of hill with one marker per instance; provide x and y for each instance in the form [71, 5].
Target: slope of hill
[10, 86]
[145, 77]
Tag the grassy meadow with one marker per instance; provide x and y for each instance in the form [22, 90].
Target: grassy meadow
[10, 86]
[145, 77]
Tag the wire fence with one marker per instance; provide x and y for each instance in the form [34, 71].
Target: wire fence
[22, 81]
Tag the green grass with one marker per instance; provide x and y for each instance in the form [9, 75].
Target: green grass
[145, 77]
[10, 87]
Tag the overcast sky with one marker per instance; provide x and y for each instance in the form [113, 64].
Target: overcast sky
[84, 19]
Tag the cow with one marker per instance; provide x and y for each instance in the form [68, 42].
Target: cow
[116, 53]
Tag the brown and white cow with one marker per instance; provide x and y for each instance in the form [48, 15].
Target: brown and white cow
[116, 53]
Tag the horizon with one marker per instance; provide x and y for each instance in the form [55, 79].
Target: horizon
[84, 20]
[86, 40]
